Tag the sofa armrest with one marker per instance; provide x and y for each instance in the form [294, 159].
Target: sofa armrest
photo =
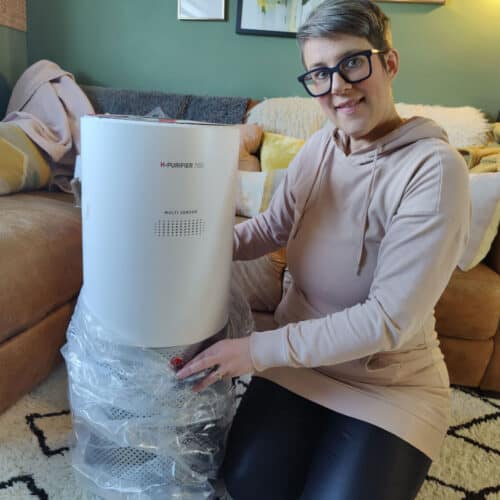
[492, 260]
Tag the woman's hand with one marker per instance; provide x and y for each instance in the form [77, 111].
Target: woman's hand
[230, 357]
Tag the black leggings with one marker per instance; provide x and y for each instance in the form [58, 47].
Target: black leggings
[284, 447]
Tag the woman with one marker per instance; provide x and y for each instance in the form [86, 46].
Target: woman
[350, 394]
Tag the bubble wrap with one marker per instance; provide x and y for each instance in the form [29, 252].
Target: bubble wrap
[139, 433]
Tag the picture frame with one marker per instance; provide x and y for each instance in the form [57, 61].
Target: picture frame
[13, 14]
[201, 10]
[272, 18]
[439, 2]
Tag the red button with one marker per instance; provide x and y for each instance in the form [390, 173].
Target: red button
[176, 362]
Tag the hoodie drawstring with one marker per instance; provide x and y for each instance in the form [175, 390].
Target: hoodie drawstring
[365, 213]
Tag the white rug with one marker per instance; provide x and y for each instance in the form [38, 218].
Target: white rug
[34, 458]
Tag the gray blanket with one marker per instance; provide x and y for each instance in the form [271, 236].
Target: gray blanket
[178, 106]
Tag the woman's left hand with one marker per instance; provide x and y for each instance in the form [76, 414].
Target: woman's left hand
[230, 357]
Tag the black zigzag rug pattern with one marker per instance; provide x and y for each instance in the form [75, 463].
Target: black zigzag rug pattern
[27, 481]
[35, 438]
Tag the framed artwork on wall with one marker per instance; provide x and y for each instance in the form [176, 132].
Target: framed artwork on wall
[272, 17]
[201, 10]
[13, 14]
[283, 17]
[441, 2]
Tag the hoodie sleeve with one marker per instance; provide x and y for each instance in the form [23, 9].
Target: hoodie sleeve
[417, 256]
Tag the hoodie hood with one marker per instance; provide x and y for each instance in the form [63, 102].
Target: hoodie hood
[372, 156]
[409, 132]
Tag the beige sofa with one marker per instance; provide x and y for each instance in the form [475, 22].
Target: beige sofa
[41, 275]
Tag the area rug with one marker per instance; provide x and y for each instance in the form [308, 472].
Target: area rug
[35, 434]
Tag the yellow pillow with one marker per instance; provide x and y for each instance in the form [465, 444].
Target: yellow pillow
[22, 166]
[277, 151]
[490, 163]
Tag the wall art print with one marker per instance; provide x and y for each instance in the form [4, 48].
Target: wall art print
[283, 17]
[13, 14]
[201, 10]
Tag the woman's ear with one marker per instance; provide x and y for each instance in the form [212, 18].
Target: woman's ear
[392, 63]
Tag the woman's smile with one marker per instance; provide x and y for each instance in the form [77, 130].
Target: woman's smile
[349, 107]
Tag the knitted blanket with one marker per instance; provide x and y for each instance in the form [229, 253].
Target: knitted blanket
[212, 109]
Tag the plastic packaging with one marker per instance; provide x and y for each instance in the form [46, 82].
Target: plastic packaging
[139, 433]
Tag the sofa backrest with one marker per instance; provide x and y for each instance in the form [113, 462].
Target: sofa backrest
[211, 109]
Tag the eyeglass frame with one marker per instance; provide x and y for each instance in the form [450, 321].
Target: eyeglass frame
[336, 69]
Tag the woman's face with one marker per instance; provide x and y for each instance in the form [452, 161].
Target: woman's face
[364, 111]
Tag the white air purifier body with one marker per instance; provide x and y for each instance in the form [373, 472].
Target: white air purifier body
[158, 202]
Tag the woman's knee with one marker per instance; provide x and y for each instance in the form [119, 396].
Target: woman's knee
[270, 444]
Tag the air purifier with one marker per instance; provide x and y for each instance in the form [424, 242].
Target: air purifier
[157, 203]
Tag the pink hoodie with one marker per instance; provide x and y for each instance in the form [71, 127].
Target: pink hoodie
[372, 239]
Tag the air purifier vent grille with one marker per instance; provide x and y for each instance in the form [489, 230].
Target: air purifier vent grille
[179, 228]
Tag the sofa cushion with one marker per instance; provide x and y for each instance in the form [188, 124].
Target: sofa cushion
[491, 378]
[485, 204]
[493, 257]
[470, 305]
[295, 116]
[250, 140]
[41, 264]
[261, 279]
[28, 358]
[466, 360]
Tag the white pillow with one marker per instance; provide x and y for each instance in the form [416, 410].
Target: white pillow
[465, 125]
[250, 192]
[273, 180]
[302, 116]
[485, 201]
[294, 116]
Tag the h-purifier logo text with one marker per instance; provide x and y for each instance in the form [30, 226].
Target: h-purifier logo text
[181, 164]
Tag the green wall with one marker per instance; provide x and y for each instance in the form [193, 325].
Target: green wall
[13, 61]
[450, 54]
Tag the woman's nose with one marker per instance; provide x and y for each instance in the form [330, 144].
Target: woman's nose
[339, 85]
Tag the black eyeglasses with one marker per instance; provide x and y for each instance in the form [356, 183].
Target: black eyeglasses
[353, 69]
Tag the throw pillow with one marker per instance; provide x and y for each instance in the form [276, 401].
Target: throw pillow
[277, 151]
[485, 201]
[488, 156]
[294, 116]
[250, 193]
[465, 125]
[489, 163]
[22, 166]
[273, 179]
[250, 139]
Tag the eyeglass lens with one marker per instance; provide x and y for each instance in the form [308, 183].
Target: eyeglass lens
[352, 69]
